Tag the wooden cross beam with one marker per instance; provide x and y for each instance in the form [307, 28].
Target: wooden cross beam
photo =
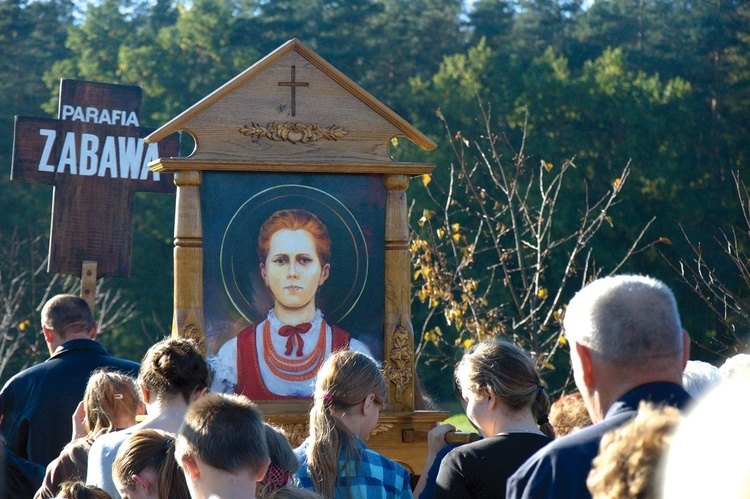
[294, 84]
[95, 156]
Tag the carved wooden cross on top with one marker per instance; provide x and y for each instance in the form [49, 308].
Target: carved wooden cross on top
[294, 84]
[95, 156]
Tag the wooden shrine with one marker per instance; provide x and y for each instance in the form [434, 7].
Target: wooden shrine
[292, 130]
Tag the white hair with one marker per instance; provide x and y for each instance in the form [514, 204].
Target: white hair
[700, 377]
[627, 319]
[705, 458]
[734, 366]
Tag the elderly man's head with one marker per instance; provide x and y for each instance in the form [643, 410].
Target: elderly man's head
[623, 331]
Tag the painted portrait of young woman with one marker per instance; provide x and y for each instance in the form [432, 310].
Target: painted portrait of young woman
[296, 289]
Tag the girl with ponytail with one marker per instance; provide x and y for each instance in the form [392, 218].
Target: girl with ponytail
[146, 467]
[506, 401]
[334, 461]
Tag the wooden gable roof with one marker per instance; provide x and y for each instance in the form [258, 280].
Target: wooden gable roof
[290, 108]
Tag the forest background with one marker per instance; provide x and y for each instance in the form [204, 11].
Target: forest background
[655, 92]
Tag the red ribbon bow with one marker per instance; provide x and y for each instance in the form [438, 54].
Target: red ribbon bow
[294, 333]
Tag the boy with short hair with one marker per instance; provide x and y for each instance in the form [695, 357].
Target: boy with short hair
[222, 448]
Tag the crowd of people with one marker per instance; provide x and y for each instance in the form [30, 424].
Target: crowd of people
[645, 421]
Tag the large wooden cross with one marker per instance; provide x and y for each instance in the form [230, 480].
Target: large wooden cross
[95, 156]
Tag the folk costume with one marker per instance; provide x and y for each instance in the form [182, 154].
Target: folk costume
[272, 361]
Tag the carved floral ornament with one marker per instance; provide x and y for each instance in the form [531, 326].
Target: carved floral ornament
[293, 132]
[399, 369]
[193, 332]
[296, 433]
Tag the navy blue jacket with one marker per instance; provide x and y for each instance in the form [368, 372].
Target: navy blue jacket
[559, 470]
[37, 403]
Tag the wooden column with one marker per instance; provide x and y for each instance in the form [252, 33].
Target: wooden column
[399, 334]
[188, 259]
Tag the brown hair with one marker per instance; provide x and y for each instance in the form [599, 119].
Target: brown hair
[344, 380]
[151, 449]
[295, 220]
[79, 490]
[283, 460]
[174, 366]
[509, 372]
[67, 314]
[108, 396]
[569, 414]
[224, 431]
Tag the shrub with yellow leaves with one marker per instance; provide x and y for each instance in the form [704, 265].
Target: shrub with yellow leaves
[489, 257]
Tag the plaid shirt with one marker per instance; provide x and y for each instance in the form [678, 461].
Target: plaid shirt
[372, 476]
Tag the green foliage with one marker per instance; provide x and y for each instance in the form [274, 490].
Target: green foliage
[663, 85]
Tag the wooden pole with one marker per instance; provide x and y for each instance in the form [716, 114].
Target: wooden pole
[88, 284]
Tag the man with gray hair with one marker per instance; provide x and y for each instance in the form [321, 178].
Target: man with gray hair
[37, 403]
[626, 345]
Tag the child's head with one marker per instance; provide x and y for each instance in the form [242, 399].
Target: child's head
[283, 461]
[349, 393]
[79, 490]
[174, 366]
[146, 466]
[568, 414]
[224, 432]
[346, 379]
[110, 397]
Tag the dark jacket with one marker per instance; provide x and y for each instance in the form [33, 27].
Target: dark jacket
[560, 469]
[37, 403]
[22, 477]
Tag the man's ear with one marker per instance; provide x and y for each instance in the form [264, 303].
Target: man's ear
[190, 466]
[94, 330]
[49, 334]
[587, 367]
[685, 348]
[262, 469]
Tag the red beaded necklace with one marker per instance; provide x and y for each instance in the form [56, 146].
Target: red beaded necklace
[290, 369]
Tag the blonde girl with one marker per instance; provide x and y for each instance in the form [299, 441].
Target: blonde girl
[110, 403]
[334, 460]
